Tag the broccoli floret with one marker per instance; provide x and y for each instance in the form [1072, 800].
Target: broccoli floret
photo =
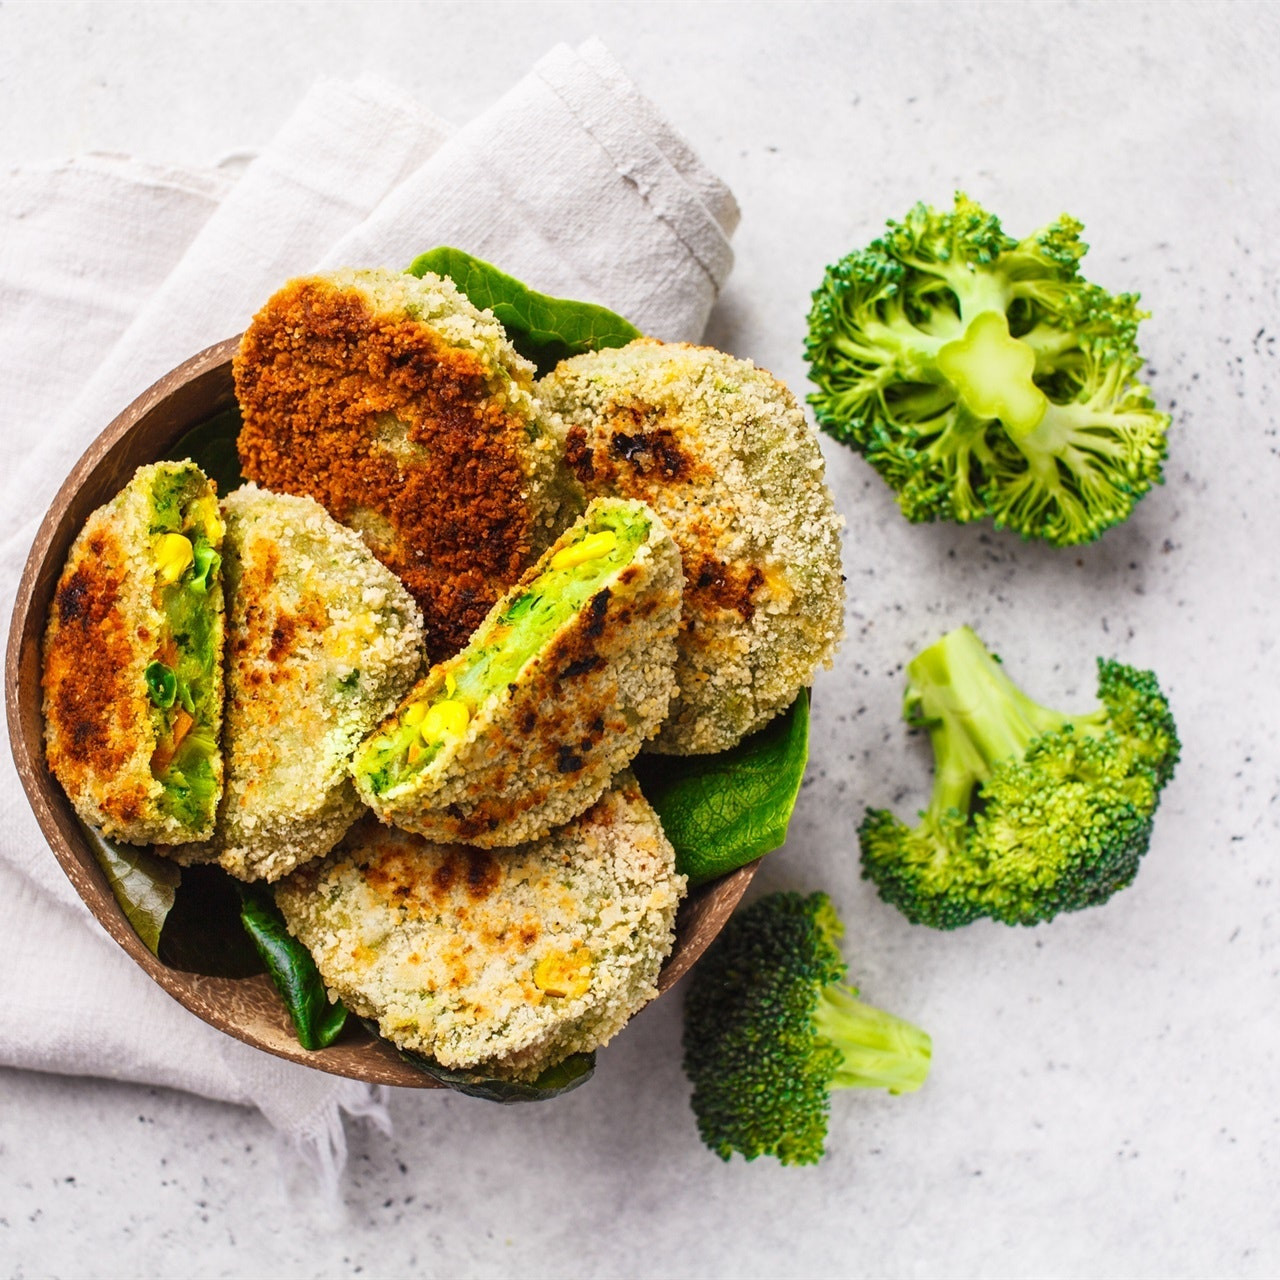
[982, 376]
[771, 1028]
[1033, 812]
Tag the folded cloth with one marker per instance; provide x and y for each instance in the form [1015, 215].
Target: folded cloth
[112, 272]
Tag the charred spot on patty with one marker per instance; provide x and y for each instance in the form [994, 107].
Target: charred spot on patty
[596, 613]
[653, 453]
[568, 760]
[578, 455]
[72, 599]
[281, 636]
[725, 586]
[583, 666]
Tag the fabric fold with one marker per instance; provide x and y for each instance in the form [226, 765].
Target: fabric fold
[113, 272]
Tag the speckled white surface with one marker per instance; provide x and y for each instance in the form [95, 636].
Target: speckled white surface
[1103, 1098]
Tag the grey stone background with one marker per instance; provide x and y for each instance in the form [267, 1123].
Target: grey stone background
[1103, 1099]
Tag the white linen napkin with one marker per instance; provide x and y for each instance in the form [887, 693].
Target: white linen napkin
[112, 272]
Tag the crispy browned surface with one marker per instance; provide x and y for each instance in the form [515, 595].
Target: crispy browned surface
[544, 749]
[321, 642]
[441, 944]
[397, 434]
[578, 701]
[722, 451]
[94, 718]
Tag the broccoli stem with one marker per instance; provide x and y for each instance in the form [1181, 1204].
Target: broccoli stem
[976, 716]
[879, 1051]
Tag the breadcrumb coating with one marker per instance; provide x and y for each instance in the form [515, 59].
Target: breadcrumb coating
[542, 749]
[322, 641]
[722, 451]
[408, 415]
[509, 961]
[105, 627]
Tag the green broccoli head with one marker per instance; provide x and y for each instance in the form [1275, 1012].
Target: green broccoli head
[983, 377]
[1033, 812]
[771, 1029]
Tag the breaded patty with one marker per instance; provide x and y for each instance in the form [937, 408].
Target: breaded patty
[322, 641]
[557, 691]
[511, 961]
[407, 414]
[133, 661]
[722, 451]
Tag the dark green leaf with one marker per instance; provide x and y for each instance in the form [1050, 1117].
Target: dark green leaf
[723, 811]
[162, 684]
[317, 1021]
[144, 885]
[543, 329]
[564, 1077]
[203, 933]
[212, 447]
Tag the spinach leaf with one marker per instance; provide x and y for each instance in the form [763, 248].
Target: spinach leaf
[564, 1077]
[203, 933]
[317, 1022]
[188, 918]
[723, 811]
[144, 885]
[543, 329]
[212, 447]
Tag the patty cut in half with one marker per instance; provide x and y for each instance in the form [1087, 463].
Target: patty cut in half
[133, 661]
[510, 961]
[322, 643]
[407, 414]
[722, 451]
[565, 680]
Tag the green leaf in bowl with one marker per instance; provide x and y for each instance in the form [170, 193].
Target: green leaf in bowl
[317, 1021]
[722, 811]
[564, 1077]
[543, 329]
[145, 886]
[212, 447]
[203, 933]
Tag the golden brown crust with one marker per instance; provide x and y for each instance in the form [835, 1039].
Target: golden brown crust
[441, 944]
[322, 642]
[546, 747]
[399, 433]
[104, 628]
[723, 453]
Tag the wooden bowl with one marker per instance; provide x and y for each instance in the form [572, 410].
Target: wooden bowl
[247, 1008]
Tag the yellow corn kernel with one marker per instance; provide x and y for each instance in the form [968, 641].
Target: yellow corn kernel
[564, 973]
[445, 720]
[413, 713]
[592, 547]
[204, 513]
[173, 556]
[348, 640]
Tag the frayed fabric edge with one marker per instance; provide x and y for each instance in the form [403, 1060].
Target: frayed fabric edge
[313, 1150]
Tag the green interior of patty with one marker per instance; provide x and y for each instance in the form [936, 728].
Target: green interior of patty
[182, 680]
[502, 647]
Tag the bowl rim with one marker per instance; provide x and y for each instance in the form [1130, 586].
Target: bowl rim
[247, 1009]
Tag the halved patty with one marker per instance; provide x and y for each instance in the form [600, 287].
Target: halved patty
[407, 414]
[722, 451]
[511, 960]
[322, 641]
[556, 692]
[133, 661]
